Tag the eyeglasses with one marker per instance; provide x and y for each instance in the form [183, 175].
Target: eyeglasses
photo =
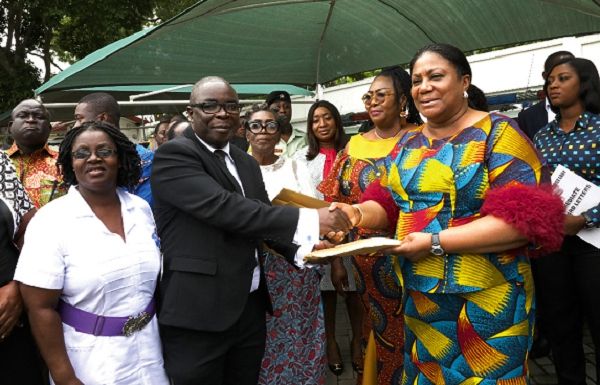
[377, 95]
[103, 153]
[214, 107]
[256, 126]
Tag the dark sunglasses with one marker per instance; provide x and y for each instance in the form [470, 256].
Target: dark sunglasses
[214, 107]
[256, 126]
[103, 153]
[377, 95]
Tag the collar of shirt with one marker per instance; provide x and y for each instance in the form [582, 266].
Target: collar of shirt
[82, 209]
[212, 149]
[551, 114]
[582, 122]
[46, 150]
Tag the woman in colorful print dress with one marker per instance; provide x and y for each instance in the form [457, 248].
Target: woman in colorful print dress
[461, 192]
[392, 110]
[295, 345]
[568, 284]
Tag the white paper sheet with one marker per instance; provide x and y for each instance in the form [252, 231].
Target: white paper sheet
[579, 195]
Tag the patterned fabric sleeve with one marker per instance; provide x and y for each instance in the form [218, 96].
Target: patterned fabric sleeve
[12, 191]
[330, 186]
[518, 193]
[594, 215]
[578, 151]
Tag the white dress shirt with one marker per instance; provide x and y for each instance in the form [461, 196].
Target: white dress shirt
[307, 229]
[551, 114]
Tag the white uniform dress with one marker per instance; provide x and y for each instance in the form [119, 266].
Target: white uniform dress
[68, 248]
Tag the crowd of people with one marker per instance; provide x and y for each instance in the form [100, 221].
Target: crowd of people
[122, 264]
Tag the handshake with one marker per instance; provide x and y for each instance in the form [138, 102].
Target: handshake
[337, 220]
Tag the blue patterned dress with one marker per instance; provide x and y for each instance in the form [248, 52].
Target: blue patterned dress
[468, 317]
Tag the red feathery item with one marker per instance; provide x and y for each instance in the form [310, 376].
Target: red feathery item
[537, 212]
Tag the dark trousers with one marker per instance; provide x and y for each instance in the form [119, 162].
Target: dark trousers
[20, 362]
[568, 288]
[229, 357]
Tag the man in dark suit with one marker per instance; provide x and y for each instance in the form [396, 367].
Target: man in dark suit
[537, 116]
[212, 215]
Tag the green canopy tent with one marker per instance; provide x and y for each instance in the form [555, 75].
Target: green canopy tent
[166, 92]
[308, 42]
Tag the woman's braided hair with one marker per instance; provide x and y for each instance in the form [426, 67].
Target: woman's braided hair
[129, 161]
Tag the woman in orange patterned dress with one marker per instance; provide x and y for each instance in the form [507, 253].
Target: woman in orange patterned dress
[392, 111]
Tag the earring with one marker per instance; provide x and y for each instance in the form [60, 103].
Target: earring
[404, 113]
[465, 94]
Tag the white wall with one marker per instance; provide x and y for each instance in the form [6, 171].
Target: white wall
[514, 69]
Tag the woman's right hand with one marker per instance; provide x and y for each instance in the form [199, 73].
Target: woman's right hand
[574, 224]
[339, 276]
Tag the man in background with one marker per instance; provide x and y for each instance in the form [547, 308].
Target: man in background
[291, 140]
[33, 159]
[101, 106]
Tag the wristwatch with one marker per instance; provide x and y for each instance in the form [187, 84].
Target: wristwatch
[589, 223]
[436, 247]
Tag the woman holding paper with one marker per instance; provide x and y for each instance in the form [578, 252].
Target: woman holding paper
[568, 284]
[393, 112]
[295, 346]
[461, 192]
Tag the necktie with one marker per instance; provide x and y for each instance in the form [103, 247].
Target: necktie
[220, 154]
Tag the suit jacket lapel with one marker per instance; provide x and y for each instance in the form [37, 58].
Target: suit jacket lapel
[243, 172]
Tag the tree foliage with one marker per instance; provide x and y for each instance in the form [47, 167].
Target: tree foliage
[90, 25]
[69, 29]
[166, 9]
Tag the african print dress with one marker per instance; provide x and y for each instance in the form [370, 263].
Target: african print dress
[295, 342]
[375, 281]
[468, 317]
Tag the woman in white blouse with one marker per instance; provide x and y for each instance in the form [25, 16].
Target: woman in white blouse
[89, 268]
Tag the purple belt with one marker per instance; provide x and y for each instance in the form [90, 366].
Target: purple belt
[98, 325]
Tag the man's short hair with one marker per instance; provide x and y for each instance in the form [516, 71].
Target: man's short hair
[101, 102]
[46, 111]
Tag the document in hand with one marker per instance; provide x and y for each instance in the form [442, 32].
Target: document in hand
[362, 246]
[579, 195]
[291, 198]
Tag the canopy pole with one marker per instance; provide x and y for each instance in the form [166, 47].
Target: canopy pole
[139, 96]
[319, 91]
[332, 3]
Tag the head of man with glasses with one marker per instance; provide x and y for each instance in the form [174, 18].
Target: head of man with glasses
[214, 111]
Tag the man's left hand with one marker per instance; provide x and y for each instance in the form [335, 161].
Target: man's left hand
[11, 306]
